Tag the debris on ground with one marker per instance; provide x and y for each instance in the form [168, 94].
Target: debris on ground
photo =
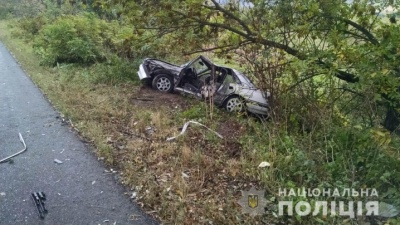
[184, 175]
[23, 150]
[150, 130]
[39, 198]
[186, 125]
[264, 164]
[58, 161]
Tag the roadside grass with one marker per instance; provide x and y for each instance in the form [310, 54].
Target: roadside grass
[194, 180]
[198, 178]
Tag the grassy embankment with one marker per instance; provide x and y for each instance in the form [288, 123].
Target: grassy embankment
[193, 180]
[197, 179]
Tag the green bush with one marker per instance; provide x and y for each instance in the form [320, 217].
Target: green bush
[105, 47]
[17, 8]
[343, 157]
[4, 12]
[72, 39]
[30, 26]
[114, 70]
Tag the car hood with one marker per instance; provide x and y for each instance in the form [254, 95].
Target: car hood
[155, 64]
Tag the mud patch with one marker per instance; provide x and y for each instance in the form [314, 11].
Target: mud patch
[145, 96]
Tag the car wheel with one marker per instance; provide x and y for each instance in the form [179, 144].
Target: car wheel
[234, 104]
[163, 82]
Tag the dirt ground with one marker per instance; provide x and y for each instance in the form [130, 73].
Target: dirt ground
[220, 159]
[145, 96]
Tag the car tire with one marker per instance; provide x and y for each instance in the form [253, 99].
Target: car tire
[163, 82]
[234, 104]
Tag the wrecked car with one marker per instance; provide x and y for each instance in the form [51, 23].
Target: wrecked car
[201, 78]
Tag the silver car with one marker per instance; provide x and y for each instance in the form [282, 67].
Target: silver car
[200, 77]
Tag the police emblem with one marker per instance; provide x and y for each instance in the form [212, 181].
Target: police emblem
[253, 202]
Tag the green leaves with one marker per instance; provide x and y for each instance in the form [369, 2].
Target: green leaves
[71, 39]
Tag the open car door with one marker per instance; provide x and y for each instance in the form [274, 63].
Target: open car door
[193, 76]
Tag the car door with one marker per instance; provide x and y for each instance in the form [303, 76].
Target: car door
[198, 66]
[189, 76]
[226, 85]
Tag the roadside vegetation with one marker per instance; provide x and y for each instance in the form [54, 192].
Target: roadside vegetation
[334, 86]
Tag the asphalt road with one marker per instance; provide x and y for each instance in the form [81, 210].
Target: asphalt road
[79, 191]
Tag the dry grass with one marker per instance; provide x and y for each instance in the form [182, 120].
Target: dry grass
[194, 180]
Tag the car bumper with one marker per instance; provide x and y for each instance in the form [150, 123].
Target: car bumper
[142, 73]
[257, 108]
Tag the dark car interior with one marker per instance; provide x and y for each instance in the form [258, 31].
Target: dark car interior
[190, 80]
[193, 81]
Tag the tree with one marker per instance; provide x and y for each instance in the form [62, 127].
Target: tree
[351, 42]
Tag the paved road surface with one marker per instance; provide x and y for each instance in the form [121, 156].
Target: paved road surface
[78, 191]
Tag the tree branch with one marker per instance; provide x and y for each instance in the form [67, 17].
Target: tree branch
[348, 77]
[343, 75]
[230, 47]
[360, 28]
[355, 35]
[220, 25]
[231, 15]
[301, 81]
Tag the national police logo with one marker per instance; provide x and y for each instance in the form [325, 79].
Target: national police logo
[253, 202]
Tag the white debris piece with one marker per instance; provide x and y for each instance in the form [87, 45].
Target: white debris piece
[150, 130]
[264, 164]
[58, 161]
[184, 175]
[186, 125]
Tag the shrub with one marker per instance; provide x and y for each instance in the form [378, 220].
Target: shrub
[343, 157]
[4, 12]
[30, 26]
[17, 8]
[72, 39]
[114, 70]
